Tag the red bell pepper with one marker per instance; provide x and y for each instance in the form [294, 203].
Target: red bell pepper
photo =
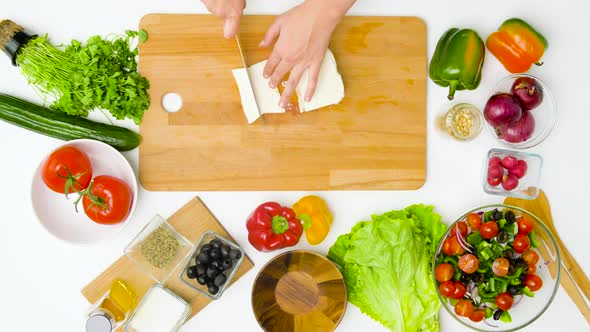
[272, 226]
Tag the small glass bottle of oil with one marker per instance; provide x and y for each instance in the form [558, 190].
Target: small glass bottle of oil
[111, 310]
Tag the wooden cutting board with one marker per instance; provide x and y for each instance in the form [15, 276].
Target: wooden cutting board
[192, 220]
[374, 139]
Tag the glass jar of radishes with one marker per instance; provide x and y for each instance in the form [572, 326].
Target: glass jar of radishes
[512, 173]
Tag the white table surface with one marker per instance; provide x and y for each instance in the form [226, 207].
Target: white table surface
[42, 276]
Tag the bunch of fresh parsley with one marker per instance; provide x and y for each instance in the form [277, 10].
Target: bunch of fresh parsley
[81, 77]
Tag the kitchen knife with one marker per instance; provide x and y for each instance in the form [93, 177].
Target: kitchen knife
[251, 88]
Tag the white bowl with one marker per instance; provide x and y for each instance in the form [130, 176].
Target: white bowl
[57, 214]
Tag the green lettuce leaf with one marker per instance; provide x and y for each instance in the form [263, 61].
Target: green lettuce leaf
[387, 267]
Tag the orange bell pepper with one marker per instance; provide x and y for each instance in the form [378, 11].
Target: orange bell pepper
[316, 217]
[517, 45]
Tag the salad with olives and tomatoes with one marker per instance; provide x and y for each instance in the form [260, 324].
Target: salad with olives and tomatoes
[487, 264]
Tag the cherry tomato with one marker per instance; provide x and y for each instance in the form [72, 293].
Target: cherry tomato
[454, 246]
[108, 201]
[533, 282]
[446, 247]
[478, 315]
[462, 228]
[460, 290]
[500, 267]
[474, 221]
[66, 170]
[464, 308]
[521, 243]
[447, 288]
[532, 268]
[504, 301]
[468, 263]
[530, 257]
[525, 224]
[444, 272]
[489, 229]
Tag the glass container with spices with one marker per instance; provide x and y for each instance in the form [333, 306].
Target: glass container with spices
[111, 310]
[463, 121]
[158, 249]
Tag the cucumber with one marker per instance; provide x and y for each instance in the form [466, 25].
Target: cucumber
[63, 126]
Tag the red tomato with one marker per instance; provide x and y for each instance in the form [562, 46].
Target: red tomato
[464, 308]
[444, 272]
[500, 267]
[489, 229]
[533, 282]
[446, 247]
[109, 200]
[532, 269]
[530, 257]
[525, 224]
[460, 290]
[468, 263]
[66, 170]
[454, 246]
[478, 315]
[521, 243]
[504, 301]
[474, 221]
[447, 288]
[462, 228]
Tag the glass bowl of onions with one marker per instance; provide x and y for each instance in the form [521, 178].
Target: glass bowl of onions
[521, 111]
[497, 268]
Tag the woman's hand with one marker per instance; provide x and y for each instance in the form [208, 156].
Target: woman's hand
[303, 34]
[230, 11]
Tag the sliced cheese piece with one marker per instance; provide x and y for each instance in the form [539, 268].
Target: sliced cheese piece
[246, 94]
[329, 89]
[267, 98]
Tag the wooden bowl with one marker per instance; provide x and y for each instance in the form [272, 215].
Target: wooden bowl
[299, 291]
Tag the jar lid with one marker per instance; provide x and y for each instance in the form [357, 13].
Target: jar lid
[99, 323]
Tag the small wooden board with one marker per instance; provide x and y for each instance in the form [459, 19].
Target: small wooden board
[375, 139]
[192, 220]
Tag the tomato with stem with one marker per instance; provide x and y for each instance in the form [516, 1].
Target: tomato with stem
[444, 272]
[107, 200]
[67, 170]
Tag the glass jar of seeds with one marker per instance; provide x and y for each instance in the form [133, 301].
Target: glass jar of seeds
[463, 122]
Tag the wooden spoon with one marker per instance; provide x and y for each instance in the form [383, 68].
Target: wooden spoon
[573, 279]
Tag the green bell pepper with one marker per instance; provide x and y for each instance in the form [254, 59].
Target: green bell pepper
[458, 60]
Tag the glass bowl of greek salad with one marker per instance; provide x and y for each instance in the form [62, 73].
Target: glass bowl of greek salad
[497, 268]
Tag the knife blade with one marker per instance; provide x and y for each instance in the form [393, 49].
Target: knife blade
[251, 90]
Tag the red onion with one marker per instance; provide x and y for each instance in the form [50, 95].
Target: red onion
[501, 110]
[462, 242]
[546, 262]
[489, 324]
[518, 131]
[517, 300]
[528, 92]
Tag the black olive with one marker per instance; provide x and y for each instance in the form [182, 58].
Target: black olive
[220, 280]
[205, 248]
[203, 258]
[212, 289]
[227, 264]
[502, 237]
[215, 253]
[522, 278]
[235, 254]
[510, 217]
[201, 270]
[496, 215]
[497, 314]
[202, 280]
[191, 272]
[465, 278]
[509, 253]
[216, 264]
[511, 269]
[478, 278]
[215, 244]
[513, 289]
[225, 249]
[211, 272]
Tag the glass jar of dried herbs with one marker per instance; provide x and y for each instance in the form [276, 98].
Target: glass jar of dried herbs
[160, 247]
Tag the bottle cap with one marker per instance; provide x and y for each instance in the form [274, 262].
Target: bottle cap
[100, 322]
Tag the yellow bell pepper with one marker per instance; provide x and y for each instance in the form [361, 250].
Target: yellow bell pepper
[316, 217]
